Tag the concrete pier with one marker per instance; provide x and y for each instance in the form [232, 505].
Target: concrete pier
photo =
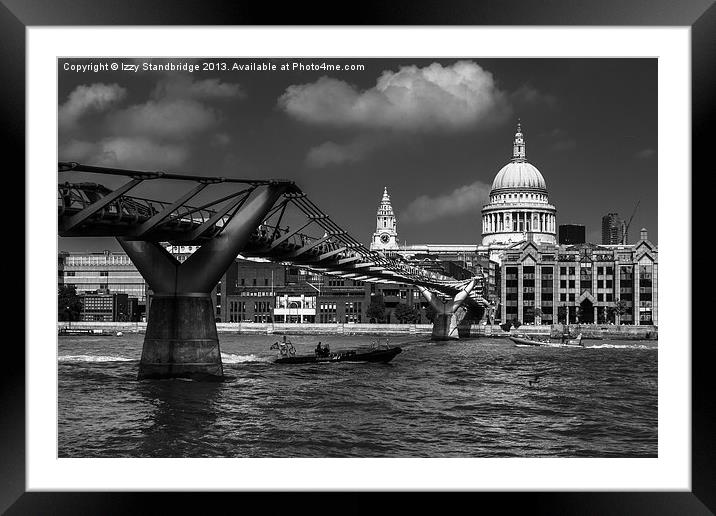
[181, 339]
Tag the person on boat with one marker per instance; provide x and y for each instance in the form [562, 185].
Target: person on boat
[327, 350]
[319, 350]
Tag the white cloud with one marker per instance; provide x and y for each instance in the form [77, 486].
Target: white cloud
[183, 87]
[411, 99]
[463, 200]
[220, 139]
[527, 94]
[331, 153]
[83, 99]
[175, 119]
[139, 153]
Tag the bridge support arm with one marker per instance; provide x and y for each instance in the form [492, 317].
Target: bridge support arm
[449, 315]
[181, 340]
[202, 270]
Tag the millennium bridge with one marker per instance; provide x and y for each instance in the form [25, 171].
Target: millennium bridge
[264, 218]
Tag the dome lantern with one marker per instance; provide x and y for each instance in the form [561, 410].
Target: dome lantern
[518, 144]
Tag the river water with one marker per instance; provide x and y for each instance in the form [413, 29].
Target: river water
[466, 398]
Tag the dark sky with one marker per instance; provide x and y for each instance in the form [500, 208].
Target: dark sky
[434, 131]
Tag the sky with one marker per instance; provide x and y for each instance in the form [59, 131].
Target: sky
[435, 132]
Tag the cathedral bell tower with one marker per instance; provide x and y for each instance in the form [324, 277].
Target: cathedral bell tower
[385, 237]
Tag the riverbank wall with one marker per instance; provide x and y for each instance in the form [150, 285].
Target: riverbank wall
[588, 331]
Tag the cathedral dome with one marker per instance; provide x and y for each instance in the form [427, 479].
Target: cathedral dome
[519, 204]
[519, 174]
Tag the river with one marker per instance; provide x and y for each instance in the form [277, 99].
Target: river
[466, 398]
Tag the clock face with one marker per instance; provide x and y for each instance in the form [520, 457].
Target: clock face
[384, 238]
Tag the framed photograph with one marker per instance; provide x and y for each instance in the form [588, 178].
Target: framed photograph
[416, 252]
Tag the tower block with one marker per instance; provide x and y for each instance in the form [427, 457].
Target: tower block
[449, 313]
[181, 339]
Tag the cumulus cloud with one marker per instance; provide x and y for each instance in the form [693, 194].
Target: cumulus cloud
[463, 200]
[175, 118]
[331, 153]
[159, 132]
[220, 139]
[646, 153]
[125, 152]
[183, 87]
[84, 99]
[411, 99]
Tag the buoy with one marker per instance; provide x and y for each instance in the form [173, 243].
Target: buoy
[119, 334]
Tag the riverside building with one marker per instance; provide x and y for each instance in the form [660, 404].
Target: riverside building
[583, 283]
[104, 271]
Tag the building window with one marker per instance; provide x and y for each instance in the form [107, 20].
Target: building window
[563, 297]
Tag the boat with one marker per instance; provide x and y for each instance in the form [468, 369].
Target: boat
[382, 354]
[524, 341]
[349, 355]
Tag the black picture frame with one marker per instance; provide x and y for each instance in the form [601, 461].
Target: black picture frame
[17, 15]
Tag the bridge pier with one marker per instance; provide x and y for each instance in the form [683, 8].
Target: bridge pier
[450, 318]
[181, 340]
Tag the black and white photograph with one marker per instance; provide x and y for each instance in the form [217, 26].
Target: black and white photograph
[357, 257]
[398, 249]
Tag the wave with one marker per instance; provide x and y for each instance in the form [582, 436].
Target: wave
[621, 346]
[94, 358]
[230, 358]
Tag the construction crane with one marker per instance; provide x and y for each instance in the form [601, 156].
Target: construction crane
[625, 226]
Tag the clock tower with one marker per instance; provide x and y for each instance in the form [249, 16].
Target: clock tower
[385, 237]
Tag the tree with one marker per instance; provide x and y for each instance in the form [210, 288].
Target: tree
[529, 314]
[69, 305]
[405, 314]
[562, 314]
[516, 323]
[376, 311]
[601, 315]
[611, 313]
[621, 308]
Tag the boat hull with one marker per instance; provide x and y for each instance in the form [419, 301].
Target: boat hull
[572, 343]
[526, 342]
[378, 355]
